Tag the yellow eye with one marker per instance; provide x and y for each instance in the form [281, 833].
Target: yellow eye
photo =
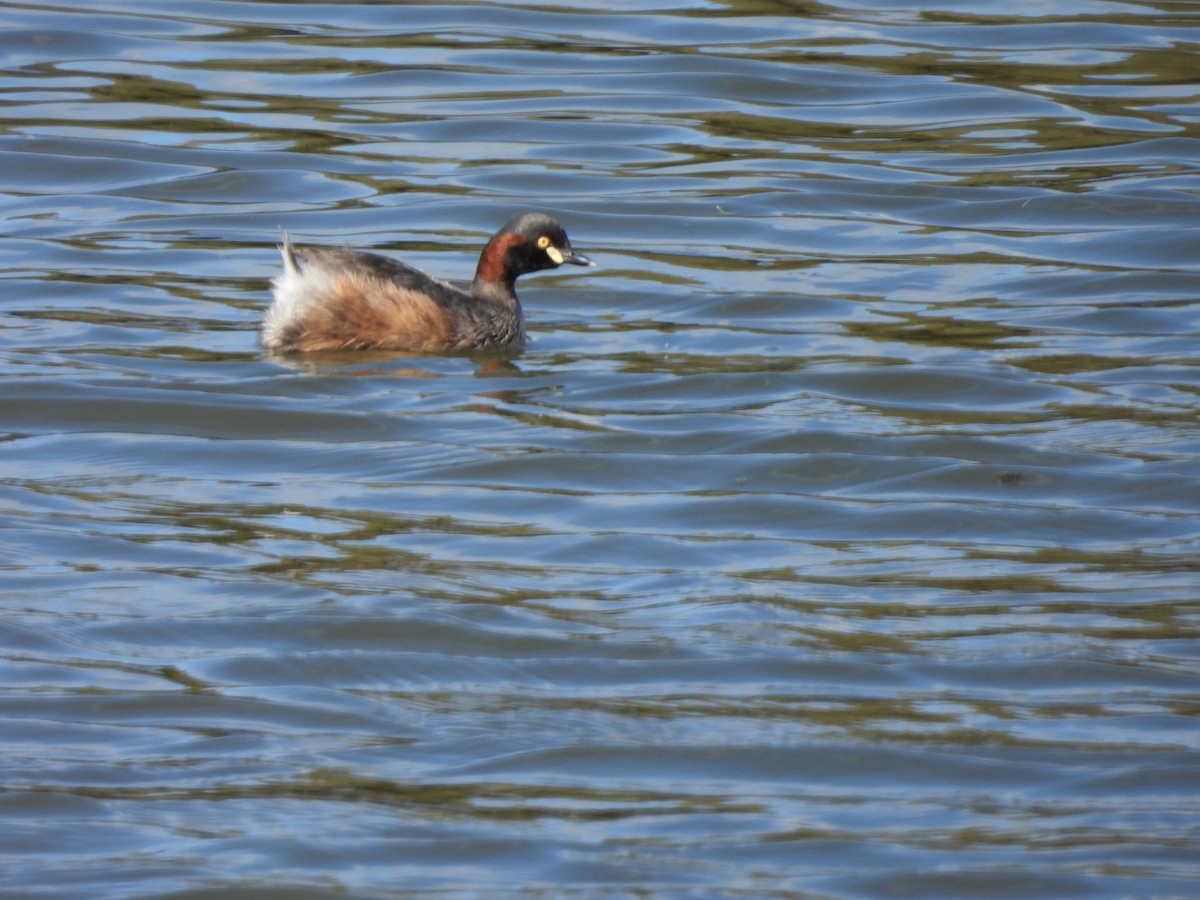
[543, 242]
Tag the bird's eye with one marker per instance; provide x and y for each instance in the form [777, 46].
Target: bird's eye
[543, 242]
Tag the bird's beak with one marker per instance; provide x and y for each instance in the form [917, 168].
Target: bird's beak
[575, 259]
[560, 255]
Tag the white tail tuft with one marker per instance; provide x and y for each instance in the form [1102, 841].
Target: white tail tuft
[289, 255]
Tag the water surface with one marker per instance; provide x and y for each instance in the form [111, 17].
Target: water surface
[837, 536]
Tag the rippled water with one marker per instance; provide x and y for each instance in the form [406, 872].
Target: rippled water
[837, 536]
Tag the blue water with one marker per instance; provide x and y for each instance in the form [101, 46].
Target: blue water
[837, 536]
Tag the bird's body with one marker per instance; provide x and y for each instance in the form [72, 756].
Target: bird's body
[339, 299]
